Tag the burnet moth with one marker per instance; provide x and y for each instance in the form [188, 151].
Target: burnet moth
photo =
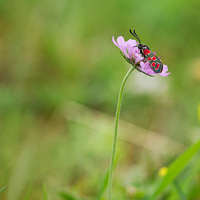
[153, 60]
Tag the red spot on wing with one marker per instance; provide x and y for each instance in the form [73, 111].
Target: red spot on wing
[149, 58]
[153, 64]
[146, 51]
[154, 58]
[157, 67]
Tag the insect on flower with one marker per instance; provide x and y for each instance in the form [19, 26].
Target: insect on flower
[153, 60]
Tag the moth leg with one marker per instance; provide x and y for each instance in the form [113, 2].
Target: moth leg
[142, 53]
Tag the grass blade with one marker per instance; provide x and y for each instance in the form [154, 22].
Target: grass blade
[44, 193]
[28, 193]
[5, 172]
[176, 167]
[67, 196]
[104, 184]
[2, 189]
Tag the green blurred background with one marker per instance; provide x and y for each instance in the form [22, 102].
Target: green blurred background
[59, 80]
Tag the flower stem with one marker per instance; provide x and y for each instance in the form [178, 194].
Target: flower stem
[115, 133]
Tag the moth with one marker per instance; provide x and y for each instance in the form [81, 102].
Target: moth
[146, 52]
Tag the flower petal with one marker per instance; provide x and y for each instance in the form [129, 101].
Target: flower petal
[138, 57]
[131, 47]
[145, 67]
[164, 71]
[131, 43]
[121, 44]
[114, 42]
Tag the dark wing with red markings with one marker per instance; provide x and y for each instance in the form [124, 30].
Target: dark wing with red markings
[156, 64]
[153, 60]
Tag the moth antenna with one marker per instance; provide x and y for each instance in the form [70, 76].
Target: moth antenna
[131, 32]
[135, 35]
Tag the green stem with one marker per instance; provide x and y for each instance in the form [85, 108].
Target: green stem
[115, 133]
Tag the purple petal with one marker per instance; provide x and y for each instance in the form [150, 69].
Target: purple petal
[113, 40]
[131, 43]
[138, 57]
[164, 71]
[131, 47]
[121, 44]
[145, 67]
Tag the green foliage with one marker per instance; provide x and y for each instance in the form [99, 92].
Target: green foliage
[45, 196]
[53, 53]
[179, 190]
[28, 193]
[103, 184]
[176, 167]
[2, 189]
[67, 196]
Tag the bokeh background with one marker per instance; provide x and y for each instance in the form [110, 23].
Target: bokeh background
[59, 80]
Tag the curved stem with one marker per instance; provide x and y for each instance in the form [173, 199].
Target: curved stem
[115, 133]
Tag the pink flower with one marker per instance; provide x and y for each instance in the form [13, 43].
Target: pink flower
[133, 56]
[129, 49]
